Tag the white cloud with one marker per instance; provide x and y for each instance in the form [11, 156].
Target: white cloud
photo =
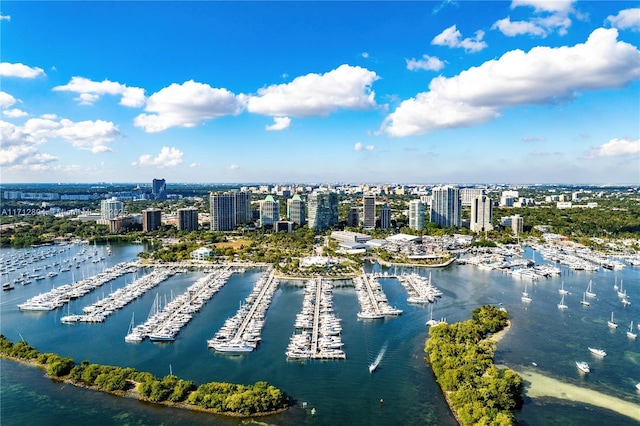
[232, 167]
[557, 6]
[21, 155]
[19, 70]
[544, 75]
[453, 38]
[279, 123]
[6, 100]
[365, 54]
[429, 63]
[168, 157]
[5, 18]
[90, 91]
[360, 147]
[512, 29]
[553, 16]
[616, 148]
[345, 87]
[186, 105]
[194, 165]
[14, 113]
[628, 19]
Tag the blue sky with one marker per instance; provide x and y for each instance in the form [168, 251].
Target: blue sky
[526, 91]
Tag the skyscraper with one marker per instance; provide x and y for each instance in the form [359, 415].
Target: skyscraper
[296, 210]
[188, 219]
[369, 211]
[353, 217]
[159, 189]
[242, 207]
[446, 207]
[481, 214]
[111, 209]
[151, 219]
[269, 211]
[322, 209]
[223, 212]
[385, 217]
[416, 214]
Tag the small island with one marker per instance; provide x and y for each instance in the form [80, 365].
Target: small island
[228, 399]
[461, 356]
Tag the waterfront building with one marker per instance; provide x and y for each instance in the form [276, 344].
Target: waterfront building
[516, 223]
[159, 189]
[322, 209]
[296, 210]
[385, 217]
[242, 200]
[353, 217]
[269, 211]
[223, 212]
[151, 219]
[416, 214]
[446, 207]
[111, 209]
[348, 236]
[481, 214]
[187, 219]
[202, 253]
[119, 222]
[468, 195]
[368, 211]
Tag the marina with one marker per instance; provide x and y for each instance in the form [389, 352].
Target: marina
[419, 288]
[373, 301]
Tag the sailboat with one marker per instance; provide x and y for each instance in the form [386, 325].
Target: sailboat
[562, 290]
[561, 305]
[612, 323]
[584, 301]
[432, 321]
[133, 335]
[621, 293]
[630, 333]
[589, 292]
[525, 296]
[625, 301]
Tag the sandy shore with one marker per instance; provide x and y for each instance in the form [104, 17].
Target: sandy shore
[496, 337]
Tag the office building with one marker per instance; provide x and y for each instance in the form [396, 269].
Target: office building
[187, 219]
[446, 209]
[385, 217]
[111, 209]
[242, 200]
[283, 226]
[369, 211]
[322, 209]
[296, 210]
[223, 211]
[269, 211]
[151, 219]
[353, 217]
[159, 189]
[481, 214]
[416, 214]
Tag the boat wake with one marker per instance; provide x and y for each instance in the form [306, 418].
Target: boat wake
[376, 362]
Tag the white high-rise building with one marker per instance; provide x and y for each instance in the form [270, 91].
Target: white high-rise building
[269, 211]
[295, 210]
[416, 214]
[467, 195]
[111, 209]
[446, 207]
[369, 211]
[481, 214]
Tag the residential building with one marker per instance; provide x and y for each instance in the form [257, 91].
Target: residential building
[151, 219]
[159, 189]
[296, 210]
[322, 209]
[507, 198]
[385, 217]
[269, 211]
[187, 219]
[416, 214]
[446, 208]
[242, 200]
[467, 195]
[223, 212]
[369, 211]
[481, 214]
[111, 209]
[516, 223]
[353, 217]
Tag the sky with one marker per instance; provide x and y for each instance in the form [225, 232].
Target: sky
[522, 91]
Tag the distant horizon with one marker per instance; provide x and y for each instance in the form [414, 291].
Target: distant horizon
[296, 91]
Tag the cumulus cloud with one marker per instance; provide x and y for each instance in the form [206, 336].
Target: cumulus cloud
[90, 91]
[616, 148]
[19, 70]
[279, 123]
[187, 105]
[23, 155]
[360, 147]
[628, 19]
[232, 167]
[429, 63]
[14, 113]
[346, 87]
[552, 16]
[168, 157]
[6, 100]
[544, 76]
[451, 37]
[5, 18]
[558, 6]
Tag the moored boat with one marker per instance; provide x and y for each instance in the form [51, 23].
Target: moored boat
[583, 366]
[598, 352]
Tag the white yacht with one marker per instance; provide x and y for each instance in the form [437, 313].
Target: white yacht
[583, 366]
[561, 305]
[630, 333]
[598, 352]
[611, 323]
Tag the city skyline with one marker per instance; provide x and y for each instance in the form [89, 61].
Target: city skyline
[527, 91]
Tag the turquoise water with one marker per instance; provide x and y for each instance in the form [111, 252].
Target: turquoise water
[343, 392]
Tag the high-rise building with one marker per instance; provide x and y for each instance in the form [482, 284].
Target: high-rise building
[322, 209]
[159, 189]
[111, 209]
[353, 217]
[369, 211]
[269, 211]
[416, 214]
[467, 195]
[517, 224]
[223, 211]
[188, 219]
[385, 217]
[151, 219]
[481, 214]
[242, 201]
[296, 210]
[446, 207]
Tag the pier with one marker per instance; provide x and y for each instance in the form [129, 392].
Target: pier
[373, 301]
[419, 288]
